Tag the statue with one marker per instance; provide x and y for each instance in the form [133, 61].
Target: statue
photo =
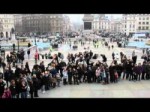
[13, 34]
[12, 30]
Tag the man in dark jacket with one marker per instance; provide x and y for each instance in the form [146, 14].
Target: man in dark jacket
[7, 76]
[35, 86]
[2, 87]
[147, 71]
[143, 70]
[128, 68]
[17, 72]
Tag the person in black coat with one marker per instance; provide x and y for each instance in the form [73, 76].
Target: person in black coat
[35, 85]
[2, 87]
[13, 89]
[89, 74]
[27, 67]
[18, 87]
[75, 76]
[46, 80]
[17, 72]
[79, 73]
[111, 71]
[70, 75]
[119, 70]
[1, 75]
[31, 88]
[7, 76]
[42, 67]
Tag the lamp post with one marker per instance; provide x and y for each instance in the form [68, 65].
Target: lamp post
[18, 43]
[35, 38]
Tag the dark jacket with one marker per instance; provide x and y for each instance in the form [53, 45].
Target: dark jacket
[7, 75]
[23, 88]
[42, 67]
[13, 89]
[35, 84]
[17, 72]
[2, 85]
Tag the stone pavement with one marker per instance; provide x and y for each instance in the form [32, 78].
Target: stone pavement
[65, 49]
[122, 89]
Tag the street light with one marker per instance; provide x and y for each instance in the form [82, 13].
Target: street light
[35, 40]
[18, 43]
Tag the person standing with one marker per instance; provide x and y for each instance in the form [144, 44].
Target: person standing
[143, 70]
[13, 89]
[139, 71]
[35, 85]
[148, 71]
[89, 74]
[2, 87]
[70, 75]
[27, 67]
[143, 50]
[65, 76]
[7, 76]
[31, 88]
[75, 76]
[23, 88]
[113, 55]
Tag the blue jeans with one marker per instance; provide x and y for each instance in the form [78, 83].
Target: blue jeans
[23, 94]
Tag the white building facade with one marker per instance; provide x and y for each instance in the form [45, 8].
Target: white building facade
[96, 24]
[6, 25]
[135, 23]
[18, 23]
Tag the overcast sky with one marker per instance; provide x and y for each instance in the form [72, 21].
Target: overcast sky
[77, 18]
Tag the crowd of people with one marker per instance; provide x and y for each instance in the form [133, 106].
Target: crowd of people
[79, 68]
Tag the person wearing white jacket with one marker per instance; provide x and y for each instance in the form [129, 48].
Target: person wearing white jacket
[65, 76]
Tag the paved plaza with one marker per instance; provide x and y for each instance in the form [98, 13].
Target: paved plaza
[122, 89]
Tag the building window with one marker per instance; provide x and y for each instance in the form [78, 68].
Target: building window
[147, 18]
[143, 23]
[143, 18]
[139, 22]
[147, 23]
[133, 26]
[147, 28]
[139, 28]
[125, 26]
[139, 18]
[143, 28]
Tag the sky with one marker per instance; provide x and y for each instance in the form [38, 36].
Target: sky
[77, 18]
